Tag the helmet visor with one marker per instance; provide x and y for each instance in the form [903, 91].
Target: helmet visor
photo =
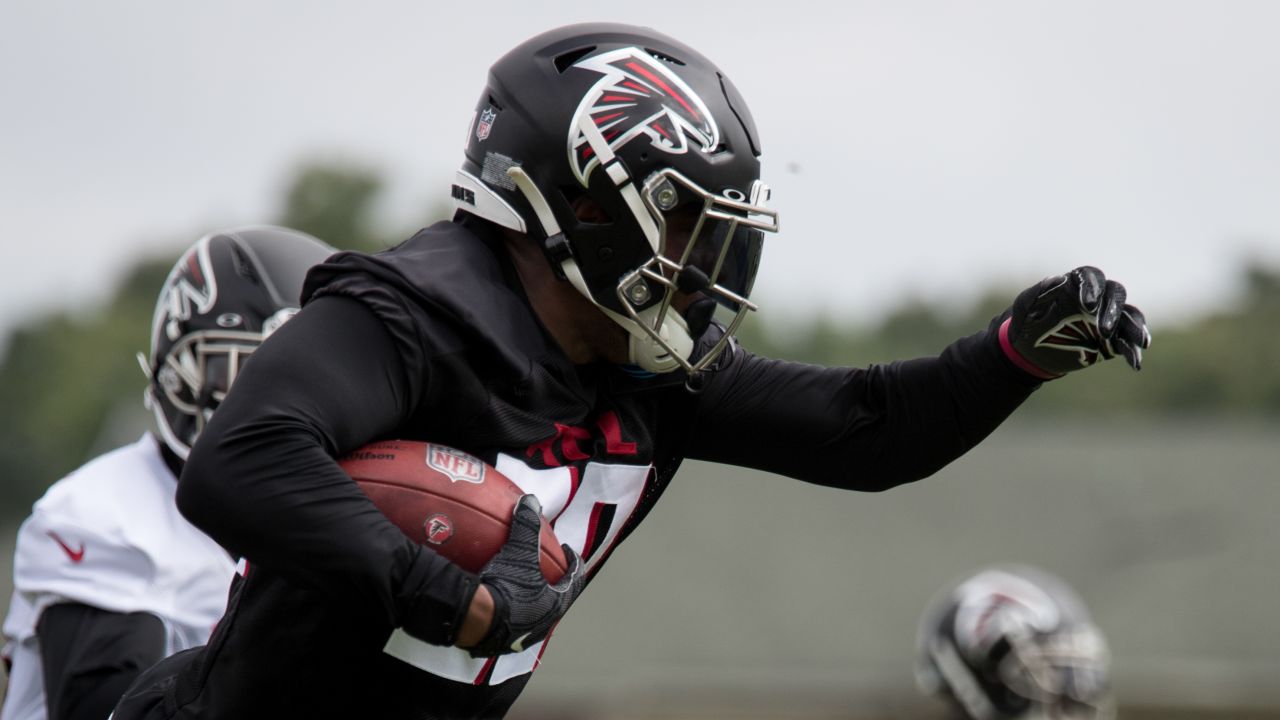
[727, 255]
[710, 243]
[705, 244]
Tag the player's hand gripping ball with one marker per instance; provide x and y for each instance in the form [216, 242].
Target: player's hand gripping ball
[447, 500]
[525, 607]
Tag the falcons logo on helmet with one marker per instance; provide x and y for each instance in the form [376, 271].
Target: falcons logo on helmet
[190, 288]
[638, 95]
[1078, 333]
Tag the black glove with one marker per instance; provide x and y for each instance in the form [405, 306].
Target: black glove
[1068, 322]
[525, 606]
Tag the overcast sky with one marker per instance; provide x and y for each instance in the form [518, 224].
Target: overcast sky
[915, 148]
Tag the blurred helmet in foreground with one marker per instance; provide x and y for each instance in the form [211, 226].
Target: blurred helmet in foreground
[1014, 643]
[227, 293]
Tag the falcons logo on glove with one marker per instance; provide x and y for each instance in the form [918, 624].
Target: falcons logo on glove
[1068, 322]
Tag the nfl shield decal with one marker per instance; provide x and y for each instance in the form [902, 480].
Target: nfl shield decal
[485, 125]
[455, 464]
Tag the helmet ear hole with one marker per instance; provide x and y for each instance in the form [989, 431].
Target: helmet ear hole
[586, 210]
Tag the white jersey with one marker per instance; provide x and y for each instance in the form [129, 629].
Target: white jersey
[109, 535]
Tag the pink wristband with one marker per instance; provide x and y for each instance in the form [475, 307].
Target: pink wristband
[1016, 358]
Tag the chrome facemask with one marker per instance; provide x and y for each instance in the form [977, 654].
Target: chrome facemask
[719, 260]
[194, 376]
[1064, 672]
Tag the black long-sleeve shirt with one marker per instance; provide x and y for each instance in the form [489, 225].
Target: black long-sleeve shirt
[89, 656]
[435, 340]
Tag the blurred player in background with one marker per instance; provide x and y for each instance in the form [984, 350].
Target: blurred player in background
[1014, 643]
[561, 328]
[108, 577]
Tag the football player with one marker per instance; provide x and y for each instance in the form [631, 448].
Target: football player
[108, 577]
[1014, 643]
[562, 328]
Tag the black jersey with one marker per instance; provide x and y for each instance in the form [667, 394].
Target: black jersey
[435, 340]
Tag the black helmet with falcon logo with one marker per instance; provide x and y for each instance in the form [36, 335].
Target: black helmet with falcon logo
[223, 297]
[1013, 642]
[654, 135]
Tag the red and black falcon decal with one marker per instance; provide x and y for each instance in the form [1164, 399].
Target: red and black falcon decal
[637, 95]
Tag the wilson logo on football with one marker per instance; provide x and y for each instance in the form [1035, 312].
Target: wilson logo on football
[457, 465]
[438, 528]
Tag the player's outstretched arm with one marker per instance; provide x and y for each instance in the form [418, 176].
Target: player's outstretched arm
[878, 427]
[1069, 322]
[525, 606]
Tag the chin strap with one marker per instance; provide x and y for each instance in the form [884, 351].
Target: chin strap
[643, 349]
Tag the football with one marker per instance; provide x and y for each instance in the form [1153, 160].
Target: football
[447, 500]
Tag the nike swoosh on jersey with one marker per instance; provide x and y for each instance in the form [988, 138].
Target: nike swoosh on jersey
[75, 555]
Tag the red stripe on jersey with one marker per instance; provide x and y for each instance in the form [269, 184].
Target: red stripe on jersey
[593, 526]
[538, 660]
[574, 482]
[484, 671]
[602, 516]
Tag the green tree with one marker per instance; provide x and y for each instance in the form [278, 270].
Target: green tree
[334, 203]
[61, 375]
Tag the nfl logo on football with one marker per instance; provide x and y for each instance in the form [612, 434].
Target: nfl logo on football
[487, 116]
[459, 466]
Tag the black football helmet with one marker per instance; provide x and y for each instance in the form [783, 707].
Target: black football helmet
[652, 133]
[1014, 642]
[228, 292]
